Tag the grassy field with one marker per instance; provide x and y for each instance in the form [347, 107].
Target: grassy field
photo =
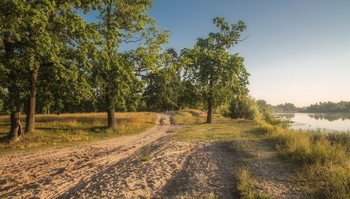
[69, 129]
[222, 129]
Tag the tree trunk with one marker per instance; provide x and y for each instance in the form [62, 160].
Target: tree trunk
[111, 119]
[14, 90]
[110, 111]
[30, 120]
[210, 111]
[210, 100]
[15, 133]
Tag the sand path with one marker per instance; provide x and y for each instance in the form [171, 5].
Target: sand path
[52, 173]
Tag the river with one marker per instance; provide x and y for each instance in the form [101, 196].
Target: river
[318, 121]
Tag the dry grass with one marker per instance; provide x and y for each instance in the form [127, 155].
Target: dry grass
[74, 128]
[323, 158]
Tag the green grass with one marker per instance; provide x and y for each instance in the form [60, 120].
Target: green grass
[72, 129]
[246, 185]
[222, 129]
[323, 158]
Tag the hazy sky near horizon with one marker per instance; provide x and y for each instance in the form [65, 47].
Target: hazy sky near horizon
[297, 51]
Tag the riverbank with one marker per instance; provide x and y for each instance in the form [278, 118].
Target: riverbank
[322, 159]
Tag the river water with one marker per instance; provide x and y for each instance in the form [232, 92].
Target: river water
[318, 121]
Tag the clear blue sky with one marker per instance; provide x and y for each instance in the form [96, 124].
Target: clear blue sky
[297, 51]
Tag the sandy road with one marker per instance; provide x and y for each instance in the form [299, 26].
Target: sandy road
[54, 173]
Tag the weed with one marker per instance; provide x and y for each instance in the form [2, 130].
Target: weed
[246, 185]
[145, 158]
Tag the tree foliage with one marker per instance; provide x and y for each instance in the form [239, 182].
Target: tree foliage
[122, 22]
[53, 61]
[35, 36]
[212, 68]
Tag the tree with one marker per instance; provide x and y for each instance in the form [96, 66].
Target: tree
[161, 93]
[34, 35]
[123, 22]
[216, 72]
[163, 86]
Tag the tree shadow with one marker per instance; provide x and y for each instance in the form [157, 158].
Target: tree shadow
[198, 175]
[94, 183]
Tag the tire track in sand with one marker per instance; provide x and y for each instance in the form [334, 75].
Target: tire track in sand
[52, 173]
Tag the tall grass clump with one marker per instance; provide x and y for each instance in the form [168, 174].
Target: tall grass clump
[246, 185]
[322, 158]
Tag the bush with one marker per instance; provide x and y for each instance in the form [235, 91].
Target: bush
[243, 106]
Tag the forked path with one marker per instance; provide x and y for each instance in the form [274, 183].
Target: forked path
[56, 172]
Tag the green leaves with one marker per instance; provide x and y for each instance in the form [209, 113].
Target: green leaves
[211, 67]
[126, 23]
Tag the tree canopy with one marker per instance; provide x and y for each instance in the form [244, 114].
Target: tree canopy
[213, 69]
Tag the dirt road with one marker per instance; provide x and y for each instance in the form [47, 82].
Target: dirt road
[146, 165]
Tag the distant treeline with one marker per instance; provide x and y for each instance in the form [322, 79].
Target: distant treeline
[329, 107]
[321, 107]
[286, 107]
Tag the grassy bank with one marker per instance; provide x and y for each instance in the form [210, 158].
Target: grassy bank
[323, 158]
[68, 129]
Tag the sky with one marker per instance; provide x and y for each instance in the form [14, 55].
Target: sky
[297, 51]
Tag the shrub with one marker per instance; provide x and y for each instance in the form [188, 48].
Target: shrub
[243, 106]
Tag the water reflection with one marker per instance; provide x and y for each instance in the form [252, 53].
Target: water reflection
[287, 116]
[311, 121]
[330, 117]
